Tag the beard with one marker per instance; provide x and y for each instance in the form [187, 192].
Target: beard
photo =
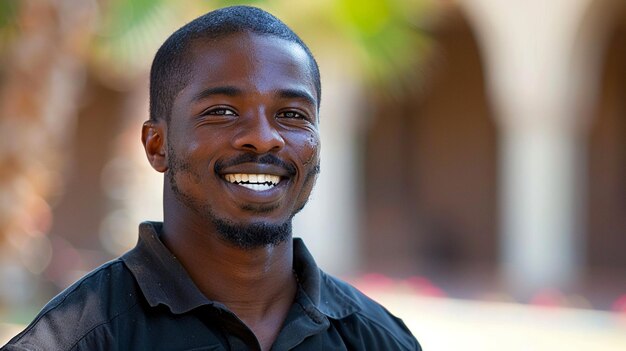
[253, 235]
[244, 236]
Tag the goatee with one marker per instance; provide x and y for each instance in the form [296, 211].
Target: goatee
[250, 236]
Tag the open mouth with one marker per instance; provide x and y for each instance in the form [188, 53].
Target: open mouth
[256, 182]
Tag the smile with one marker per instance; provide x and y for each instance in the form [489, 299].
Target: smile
[256, 182]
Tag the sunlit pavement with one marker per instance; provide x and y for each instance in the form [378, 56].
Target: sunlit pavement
[448, 324]
[7, 331]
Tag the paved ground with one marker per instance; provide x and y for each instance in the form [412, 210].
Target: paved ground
[447, 324]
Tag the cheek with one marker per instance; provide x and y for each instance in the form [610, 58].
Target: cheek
[187, 159]
[185, 153]
[192, 148]
[310, 149]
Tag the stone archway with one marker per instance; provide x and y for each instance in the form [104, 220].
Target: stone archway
[430, 168]
[606, 205]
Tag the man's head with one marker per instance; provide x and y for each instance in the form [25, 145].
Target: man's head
[237, 135]
[170, 70]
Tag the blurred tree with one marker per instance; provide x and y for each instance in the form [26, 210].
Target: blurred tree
[42, 71]
[388, 36]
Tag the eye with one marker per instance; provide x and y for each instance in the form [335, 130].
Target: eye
[220, 111]
[291, 114]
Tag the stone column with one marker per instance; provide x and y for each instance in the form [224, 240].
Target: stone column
[527, 46]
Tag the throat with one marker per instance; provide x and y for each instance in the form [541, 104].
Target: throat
[266, 322]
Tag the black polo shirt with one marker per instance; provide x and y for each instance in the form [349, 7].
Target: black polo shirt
[145, 300]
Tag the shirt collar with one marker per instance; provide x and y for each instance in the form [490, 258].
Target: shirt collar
[161, 277]
[163, 280]
[320, 288]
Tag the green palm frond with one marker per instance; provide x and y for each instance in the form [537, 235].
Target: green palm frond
[8, 26]
[130, 33]
[389, 41]
[384, 35]
[224, 3]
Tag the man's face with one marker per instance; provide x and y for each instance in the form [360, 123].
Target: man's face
[242, 141]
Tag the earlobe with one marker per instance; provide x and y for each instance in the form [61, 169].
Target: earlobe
[154, 142]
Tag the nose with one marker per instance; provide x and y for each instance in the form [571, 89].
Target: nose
[259, 135]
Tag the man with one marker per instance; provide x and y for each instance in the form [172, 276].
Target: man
[234, 100]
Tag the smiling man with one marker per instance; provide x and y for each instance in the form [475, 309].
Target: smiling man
[234, 101]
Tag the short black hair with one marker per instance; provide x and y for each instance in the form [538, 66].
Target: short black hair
[170, 68]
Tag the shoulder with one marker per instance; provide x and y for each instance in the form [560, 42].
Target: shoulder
[372, 324]
[80, 310]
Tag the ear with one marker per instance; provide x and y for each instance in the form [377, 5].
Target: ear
[153, 138]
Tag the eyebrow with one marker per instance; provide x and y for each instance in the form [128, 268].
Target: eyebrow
[297, 94]
[234, 91]
[225, 90]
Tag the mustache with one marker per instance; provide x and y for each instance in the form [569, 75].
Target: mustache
[268, 159]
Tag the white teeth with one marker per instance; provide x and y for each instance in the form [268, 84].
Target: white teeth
[257, 182]
[257, 187]
[274, 179]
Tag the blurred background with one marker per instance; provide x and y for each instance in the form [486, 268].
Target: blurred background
[473, 161]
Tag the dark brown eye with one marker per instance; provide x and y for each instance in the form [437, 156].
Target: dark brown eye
[290, 114]
[220, 112]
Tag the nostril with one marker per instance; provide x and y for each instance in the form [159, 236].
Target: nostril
[258, 135]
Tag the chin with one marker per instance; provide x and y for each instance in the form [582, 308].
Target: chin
[260, 209]
[253, 235]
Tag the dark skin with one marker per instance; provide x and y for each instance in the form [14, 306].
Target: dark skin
[248, 94]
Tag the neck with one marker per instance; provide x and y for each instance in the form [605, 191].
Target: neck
[257, 284]
[229, 274]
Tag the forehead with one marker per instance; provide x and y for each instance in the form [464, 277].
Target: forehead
[253, 62]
